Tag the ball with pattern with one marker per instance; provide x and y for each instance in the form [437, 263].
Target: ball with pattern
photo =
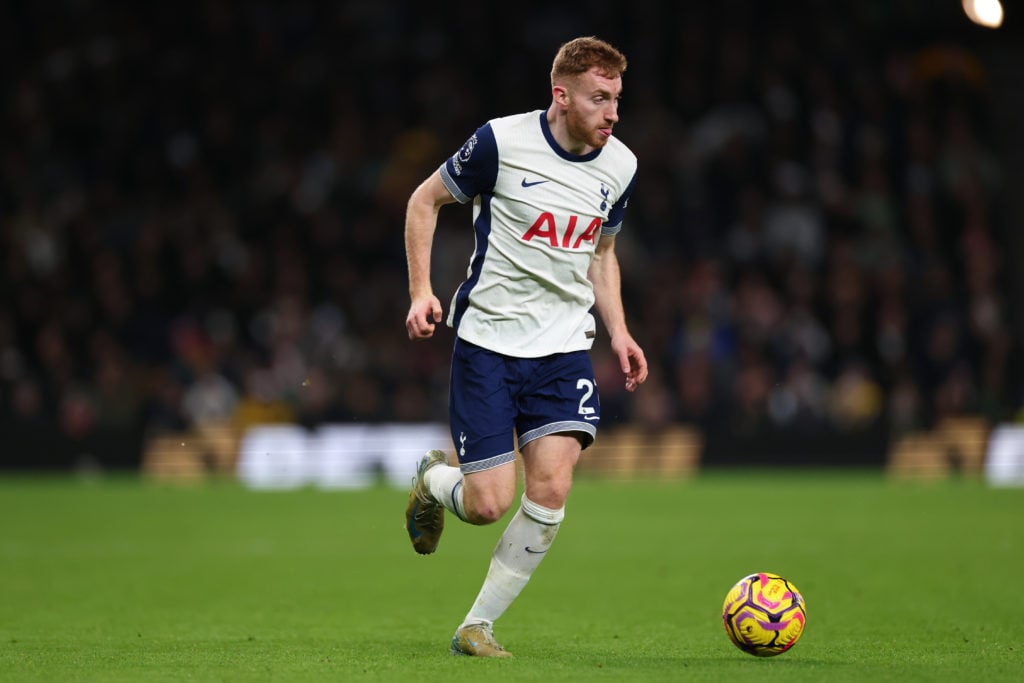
[764, 614]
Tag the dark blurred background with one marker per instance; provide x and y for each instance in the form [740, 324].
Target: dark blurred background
[201, 215]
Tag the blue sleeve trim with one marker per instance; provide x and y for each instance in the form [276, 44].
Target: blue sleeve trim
[618, 210]
[473, 169]
[453, 186]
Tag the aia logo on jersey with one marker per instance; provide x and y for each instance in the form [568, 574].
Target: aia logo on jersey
[545, 228]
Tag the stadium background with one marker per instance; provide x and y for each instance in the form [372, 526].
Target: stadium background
[202, 211]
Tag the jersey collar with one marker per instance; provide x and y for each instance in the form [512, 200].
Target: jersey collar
[568, 156]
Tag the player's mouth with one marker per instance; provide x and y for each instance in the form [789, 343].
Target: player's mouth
[605, 132]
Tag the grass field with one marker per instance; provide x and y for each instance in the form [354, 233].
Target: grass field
[118, 580]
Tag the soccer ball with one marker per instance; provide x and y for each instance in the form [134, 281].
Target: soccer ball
[764, 614]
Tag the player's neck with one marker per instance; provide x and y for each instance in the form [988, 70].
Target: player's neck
[560, 132]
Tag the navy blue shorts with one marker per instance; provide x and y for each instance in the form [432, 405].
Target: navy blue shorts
[495, 398]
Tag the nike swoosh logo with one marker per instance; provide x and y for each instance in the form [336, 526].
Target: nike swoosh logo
[535, 552]
[591, 417]
[535, 182]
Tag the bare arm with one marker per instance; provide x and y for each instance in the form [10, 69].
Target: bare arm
[604, 274]
[420, 224]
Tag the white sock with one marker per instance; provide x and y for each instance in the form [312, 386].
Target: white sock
[445, 484]
[518, 553]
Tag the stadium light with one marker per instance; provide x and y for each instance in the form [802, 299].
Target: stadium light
[987, 13]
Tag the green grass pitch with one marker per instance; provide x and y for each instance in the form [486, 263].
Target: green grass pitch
[119, 580]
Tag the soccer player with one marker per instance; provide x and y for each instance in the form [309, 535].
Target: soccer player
[549, 189]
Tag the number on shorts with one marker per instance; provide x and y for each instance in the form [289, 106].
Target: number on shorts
[588, 391]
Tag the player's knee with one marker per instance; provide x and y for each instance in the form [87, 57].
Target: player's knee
[487, 509]
[551, 493]
[484, 515]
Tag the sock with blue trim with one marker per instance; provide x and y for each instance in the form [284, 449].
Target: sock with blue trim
[445, 484]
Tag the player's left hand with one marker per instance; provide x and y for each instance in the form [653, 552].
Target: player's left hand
[631, 358]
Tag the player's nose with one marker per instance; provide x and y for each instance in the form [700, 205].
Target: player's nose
[611, 112]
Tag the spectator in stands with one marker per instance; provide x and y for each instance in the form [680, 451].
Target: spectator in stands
[813, 204]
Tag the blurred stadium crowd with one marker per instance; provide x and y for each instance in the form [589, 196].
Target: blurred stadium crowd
[202, 207]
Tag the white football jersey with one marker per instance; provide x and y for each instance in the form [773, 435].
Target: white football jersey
[538, 212]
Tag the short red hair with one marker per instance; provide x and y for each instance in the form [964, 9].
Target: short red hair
[580, 55]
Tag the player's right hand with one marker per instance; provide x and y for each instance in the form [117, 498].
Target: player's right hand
[424, 315]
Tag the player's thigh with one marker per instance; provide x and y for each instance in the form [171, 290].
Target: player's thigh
[548, 464]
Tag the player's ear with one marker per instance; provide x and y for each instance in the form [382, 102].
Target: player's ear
[560, 94]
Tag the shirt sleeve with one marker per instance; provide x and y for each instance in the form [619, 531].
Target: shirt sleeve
[618, 211]
[473, 169]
